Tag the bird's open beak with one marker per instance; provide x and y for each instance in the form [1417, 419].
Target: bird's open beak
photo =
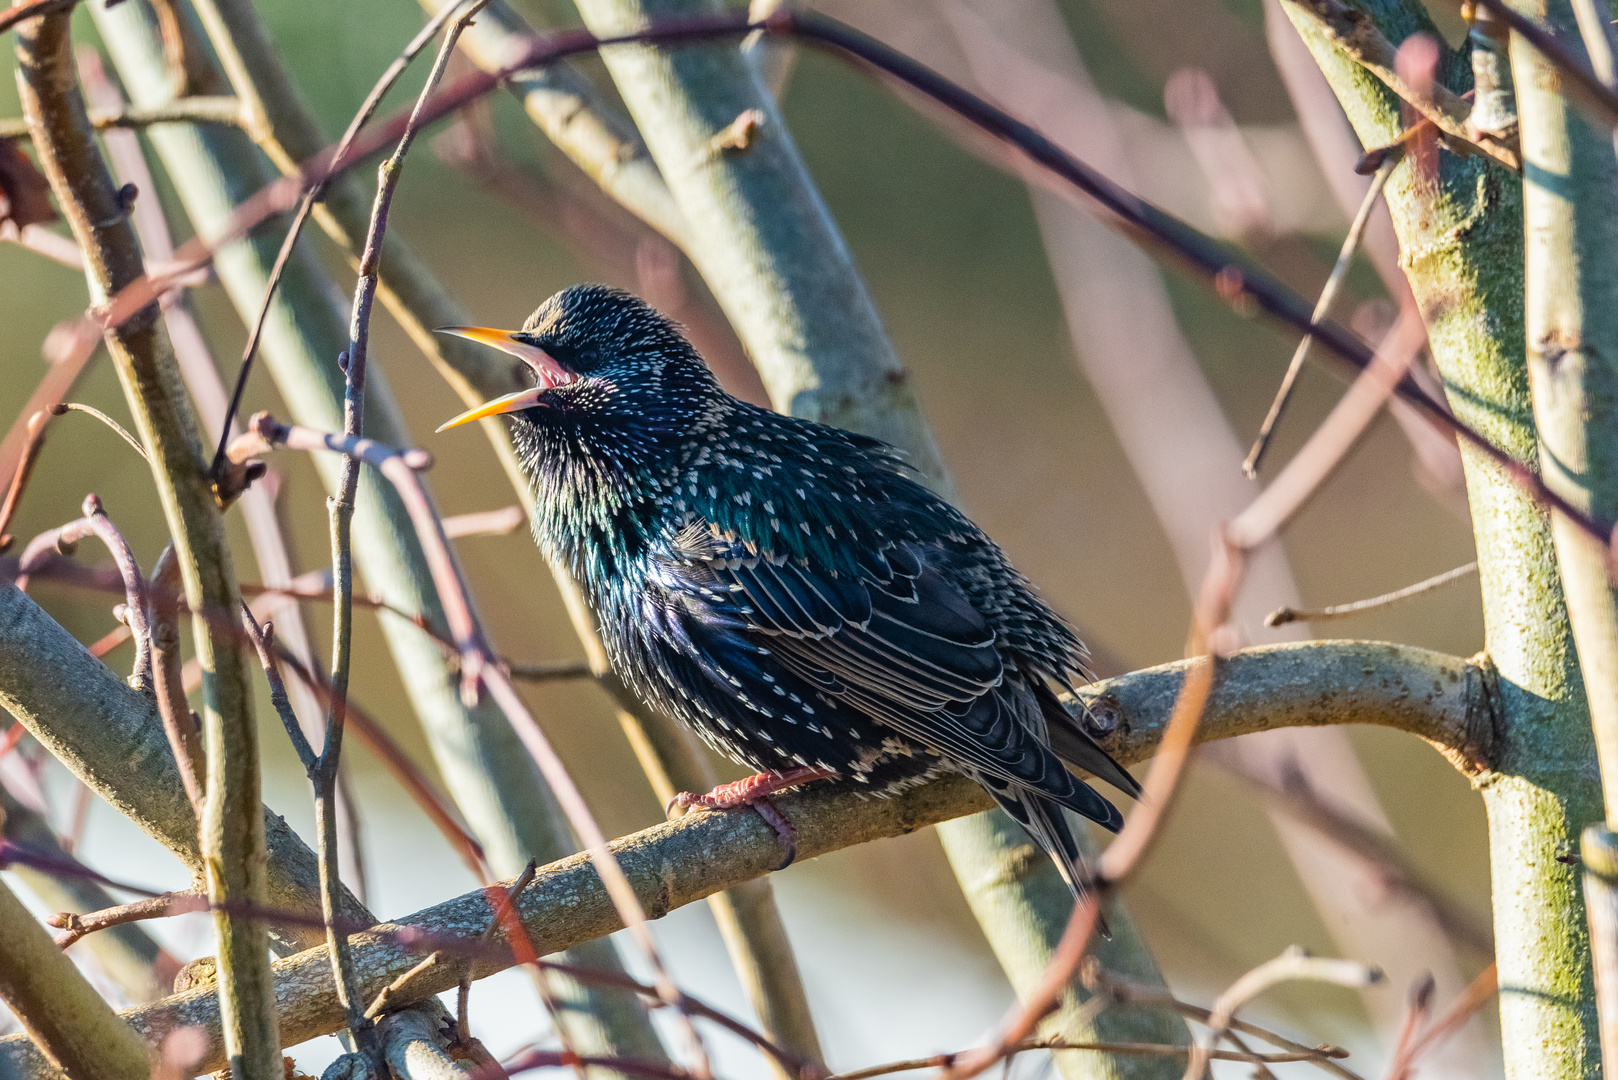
[550, 373]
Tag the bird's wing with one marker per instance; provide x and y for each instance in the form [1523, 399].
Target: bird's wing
[896, 641]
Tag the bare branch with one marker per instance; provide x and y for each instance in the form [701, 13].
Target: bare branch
[1281, 616]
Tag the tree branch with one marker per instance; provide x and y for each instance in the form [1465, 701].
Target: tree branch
[58, 1007]
[232, 827]
[186, 110]
[216, 170]
[1442, 699]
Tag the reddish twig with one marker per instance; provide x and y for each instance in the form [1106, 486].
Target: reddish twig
[12, 738]
[1473, 998]
[35, 442]
[23, 12]
[1416, 1008]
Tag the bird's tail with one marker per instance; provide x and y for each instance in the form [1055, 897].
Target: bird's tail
[1044, 822]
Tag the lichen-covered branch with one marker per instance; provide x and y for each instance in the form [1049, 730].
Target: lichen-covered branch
[1461, 245]
[232, 828]
[1443, 699]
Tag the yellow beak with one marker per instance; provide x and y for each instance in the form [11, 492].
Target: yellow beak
[549, 372]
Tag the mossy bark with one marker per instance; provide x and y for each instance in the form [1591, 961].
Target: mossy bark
[1461, 245]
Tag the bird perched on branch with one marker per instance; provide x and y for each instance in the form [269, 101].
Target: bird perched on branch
[784, 587]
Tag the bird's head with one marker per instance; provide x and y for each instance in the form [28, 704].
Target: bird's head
[611, 375]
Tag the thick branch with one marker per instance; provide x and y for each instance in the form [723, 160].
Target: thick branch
[1442, 699]
[111, 737]
[59, 1008]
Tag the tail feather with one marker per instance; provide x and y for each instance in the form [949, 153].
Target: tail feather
[1077, 748]
[1042, 819]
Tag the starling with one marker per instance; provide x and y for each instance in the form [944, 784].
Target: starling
[786, 588]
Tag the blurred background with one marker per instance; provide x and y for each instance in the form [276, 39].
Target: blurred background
[983, 286]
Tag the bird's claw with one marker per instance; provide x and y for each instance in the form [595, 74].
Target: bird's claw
[755, 791]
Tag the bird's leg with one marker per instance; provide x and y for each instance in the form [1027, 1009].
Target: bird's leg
[755, 791]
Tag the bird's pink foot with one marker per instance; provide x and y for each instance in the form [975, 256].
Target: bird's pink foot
[755, 791]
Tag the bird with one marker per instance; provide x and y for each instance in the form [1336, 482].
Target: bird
[789, 590]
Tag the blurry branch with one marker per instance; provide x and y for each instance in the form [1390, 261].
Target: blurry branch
[188, 110]
[232, 833]
[128, 955]
[1356, 34]
[1297, 797]
[1477, 995]
[58, 1007]
[1441, 699]
[1291, 966]
[573, 115]
[42, 241]
[1283, 615]
[30, 9]
[507, 519]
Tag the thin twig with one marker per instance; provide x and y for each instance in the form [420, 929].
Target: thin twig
[1125, 991]
[135, 609]
[1474, 997]
[1328, 294]
[168, 678]
[1292, 965]
[76, 927]
[263, 638]
[117, 428]
[185, 110]
[1416, 1007]
[1282, 616]
[314, 192]
[1131, 1049]
[1337, 434]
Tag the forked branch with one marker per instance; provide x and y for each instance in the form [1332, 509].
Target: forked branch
[1441, 699]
